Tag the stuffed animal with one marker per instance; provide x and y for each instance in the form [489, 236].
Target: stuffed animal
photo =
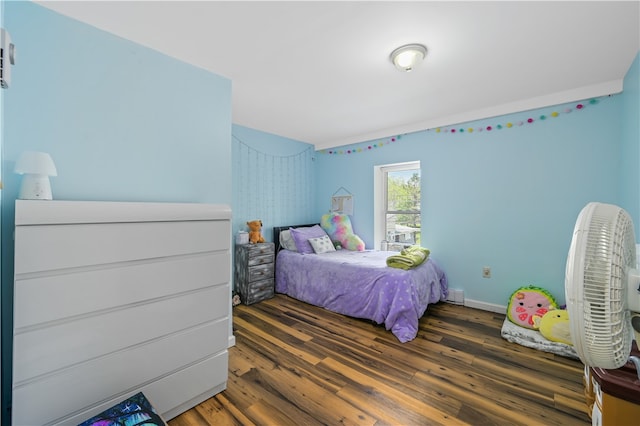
[526, 302]
[255, 234]
[554, 326]
[338, 227]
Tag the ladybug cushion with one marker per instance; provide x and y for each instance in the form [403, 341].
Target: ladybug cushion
[527, 302]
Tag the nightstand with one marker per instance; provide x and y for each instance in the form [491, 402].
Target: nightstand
[254, 267]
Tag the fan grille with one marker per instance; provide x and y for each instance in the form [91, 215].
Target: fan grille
[609, 253]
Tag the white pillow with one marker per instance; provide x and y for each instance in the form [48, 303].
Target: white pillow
[286, 241]
[321, 244]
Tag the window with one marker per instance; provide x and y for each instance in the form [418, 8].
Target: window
[397, 203]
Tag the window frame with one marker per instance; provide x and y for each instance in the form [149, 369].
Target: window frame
[380, 196]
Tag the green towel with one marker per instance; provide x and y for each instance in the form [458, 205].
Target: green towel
[408, 258]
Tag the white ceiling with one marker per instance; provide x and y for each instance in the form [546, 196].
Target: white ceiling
[319, 72]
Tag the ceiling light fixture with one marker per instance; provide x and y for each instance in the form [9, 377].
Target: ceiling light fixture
[406, 57]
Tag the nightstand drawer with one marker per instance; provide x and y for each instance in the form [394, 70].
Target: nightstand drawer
[257, 291]
[261, 249]
[261, 272]
[260, 260]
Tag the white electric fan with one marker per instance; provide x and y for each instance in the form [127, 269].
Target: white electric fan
[601, 287]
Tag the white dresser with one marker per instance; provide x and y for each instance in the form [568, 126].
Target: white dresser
[114, 298]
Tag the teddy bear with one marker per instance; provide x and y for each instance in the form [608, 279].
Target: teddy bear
[255, 234]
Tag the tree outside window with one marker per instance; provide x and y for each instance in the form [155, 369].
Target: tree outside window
[402, 207]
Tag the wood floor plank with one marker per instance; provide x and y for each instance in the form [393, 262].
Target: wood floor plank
[440, 326]
[265, 395]
[435, 349]
[388, 412]
[382, 394]
[269, 319]
[303, 393]
[286, 346]
[262, 412]
[297, 364]
[242, 391]
[493, 408]
[382, 376]
[529, 377]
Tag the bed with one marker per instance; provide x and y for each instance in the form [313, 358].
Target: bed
[360, 284]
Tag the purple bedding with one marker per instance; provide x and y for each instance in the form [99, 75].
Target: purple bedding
[359, 284]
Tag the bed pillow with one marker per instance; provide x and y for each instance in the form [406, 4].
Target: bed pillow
[338, 227]
[301, 237]
[321, 244]
[286, 241]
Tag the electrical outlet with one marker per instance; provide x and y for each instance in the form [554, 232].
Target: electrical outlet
[486, 272]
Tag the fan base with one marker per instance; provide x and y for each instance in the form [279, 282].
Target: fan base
[613, 396]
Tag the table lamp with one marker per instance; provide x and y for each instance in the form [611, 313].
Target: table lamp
[36, 168]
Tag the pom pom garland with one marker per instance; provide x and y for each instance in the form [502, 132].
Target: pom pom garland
[460, 130]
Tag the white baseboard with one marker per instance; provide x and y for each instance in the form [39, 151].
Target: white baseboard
[456, 296]
[491, 307]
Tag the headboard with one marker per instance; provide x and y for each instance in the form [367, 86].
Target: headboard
[278, 229]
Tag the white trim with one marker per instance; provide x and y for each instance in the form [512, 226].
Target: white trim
[395, 167]
[491, 307]
[378, 203]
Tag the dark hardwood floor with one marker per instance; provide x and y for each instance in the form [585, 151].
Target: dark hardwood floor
[296, 364]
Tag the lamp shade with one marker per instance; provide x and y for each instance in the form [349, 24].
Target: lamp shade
[36, 163]
[36, 168]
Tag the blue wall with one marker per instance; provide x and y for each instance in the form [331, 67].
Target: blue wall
[273, 180]
[506, 198]
[122, 122]
[630, 155]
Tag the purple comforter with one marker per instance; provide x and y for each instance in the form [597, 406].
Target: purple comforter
[359, 284]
